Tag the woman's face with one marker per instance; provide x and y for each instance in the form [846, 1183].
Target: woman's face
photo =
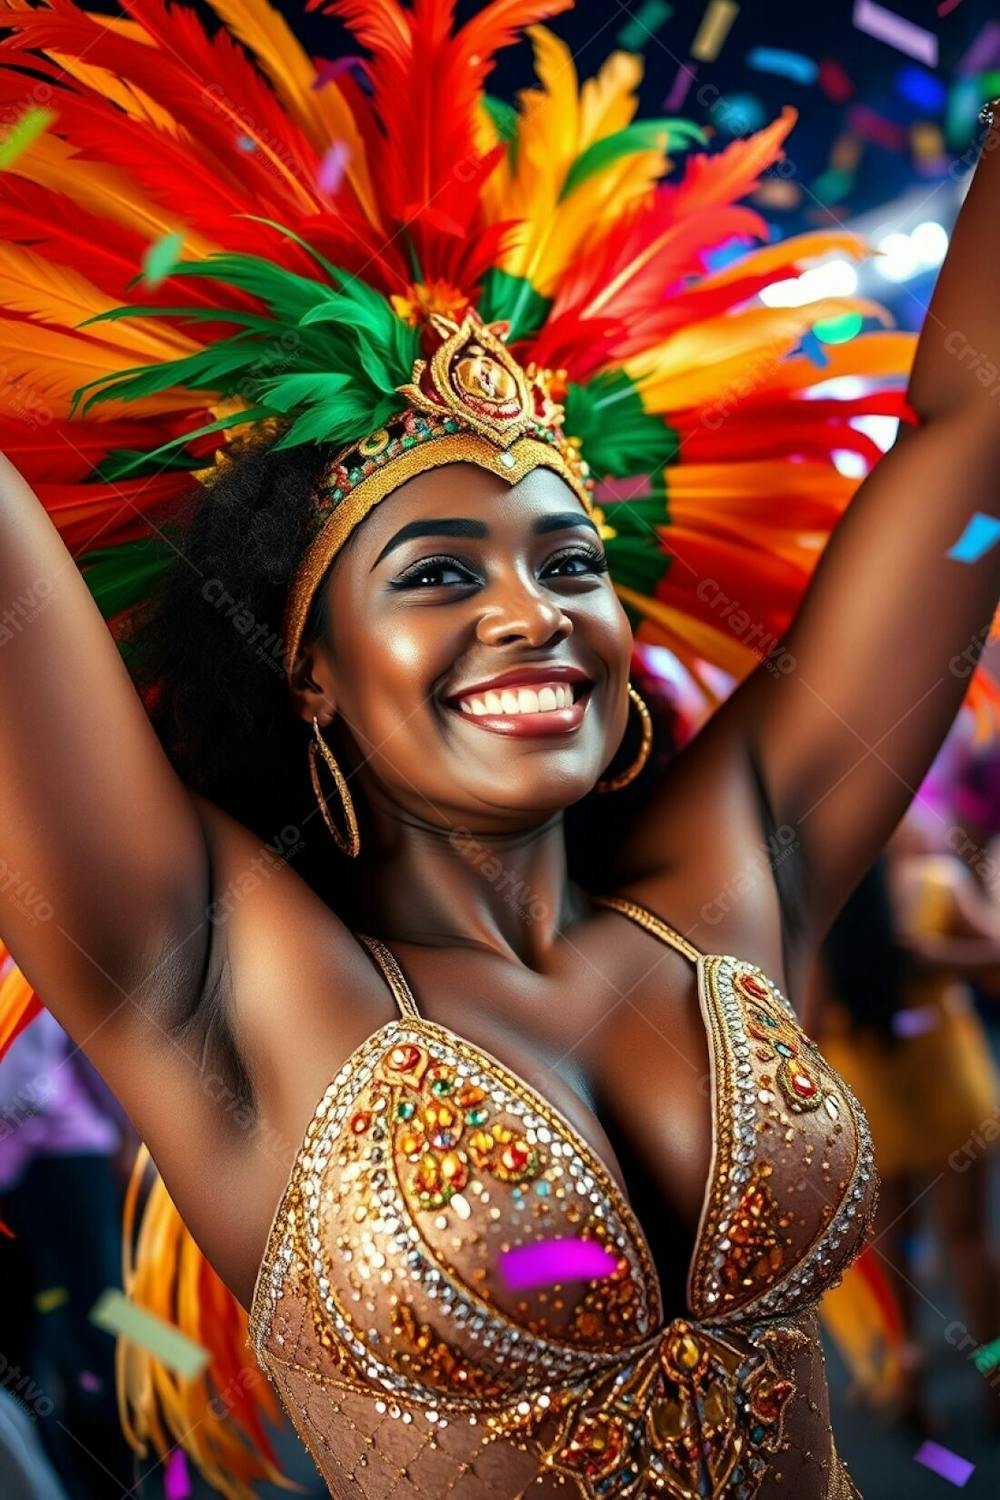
[477, 655]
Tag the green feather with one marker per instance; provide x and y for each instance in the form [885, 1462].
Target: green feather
[642, 135]
[122, 575]
[514, 298]
[505, 121]
[618, 436]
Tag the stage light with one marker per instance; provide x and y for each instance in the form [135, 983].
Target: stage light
[898, 259]
[930, 241]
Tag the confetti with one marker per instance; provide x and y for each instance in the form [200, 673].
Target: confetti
[813, 349]
[846, 152]
[683, 81]
[555, 1260]
[832, 185]
[834, 81]
[987, 1356]
[984, 52]
[942, 1461]
[921, 88]
[792, 65]
[176, 1480]
[6, 1229]
[887, 27]
[116, 1314]
[51, 1298]
[926, 140]
[160, 258]
[245, 143]
[89, 1381]
[776, 192]
[838, 330]
[947, 6]
[647, 19]
[329, 72]
[714, 29]
[331, 168]
[914, 1020]
[874, 127]
[981, 531]
[21, 134]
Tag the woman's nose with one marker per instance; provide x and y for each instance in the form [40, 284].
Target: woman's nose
[522, 612]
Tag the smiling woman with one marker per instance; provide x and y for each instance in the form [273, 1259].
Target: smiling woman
[403, 607]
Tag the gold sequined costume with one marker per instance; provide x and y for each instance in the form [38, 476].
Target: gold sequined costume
[410, 1371]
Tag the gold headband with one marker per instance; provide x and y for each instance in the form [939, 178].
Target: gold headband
[470, 403]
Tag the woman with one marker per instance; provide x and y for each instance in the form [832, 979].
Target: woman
[453, 653]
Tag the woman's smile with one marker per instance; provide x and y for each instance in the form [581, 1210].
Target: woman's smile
[540, 700]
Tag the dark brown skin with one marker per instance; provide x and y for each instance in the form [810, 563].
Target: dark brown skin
[93, 816]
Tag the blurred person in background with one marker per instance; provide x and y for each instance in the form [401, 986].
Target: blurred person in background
[892, 1007]
[65, 1145]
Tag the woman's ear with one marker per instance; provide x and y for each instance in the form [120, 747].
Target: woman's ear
[310, 684]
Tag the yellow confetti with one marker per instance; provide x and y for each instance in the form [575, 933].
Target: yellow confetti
[714, 29]
[115, 1313]
[21, 134]
[51, 1298]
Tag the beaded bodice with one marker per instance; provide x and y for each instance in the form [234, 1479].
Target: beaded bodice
[427, 1161]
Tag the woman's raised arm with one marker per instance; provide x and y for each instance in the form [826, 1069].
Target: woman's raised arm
[885, 640]
[104, 870]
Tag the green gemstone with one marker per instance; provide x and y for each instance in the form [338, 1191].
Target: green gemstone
[477, 1116]
[338, 494]
[450, 425]
[406, 1109]
[442, 1085]
[408, 441]
[354, 475]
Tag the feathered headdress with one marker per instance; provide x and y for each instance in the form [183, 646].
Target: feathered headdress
[326, 230]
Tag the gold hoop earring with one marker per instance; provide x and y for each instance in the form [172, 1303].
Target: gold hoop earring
[351, 845]
[615, 783]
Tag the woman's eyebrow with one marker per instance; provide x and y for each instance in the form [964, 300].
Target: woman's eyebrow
[466, 526]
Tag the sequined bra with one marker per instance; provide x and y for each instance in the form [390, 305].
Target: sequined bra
[410, 1369]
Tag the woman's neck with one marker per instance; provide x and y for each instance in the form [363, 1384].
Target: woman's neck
[509, 892]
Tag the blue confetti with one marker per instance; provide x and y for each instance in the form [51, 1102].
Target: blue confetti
[785, 64]
[921, 88]
[978, 537]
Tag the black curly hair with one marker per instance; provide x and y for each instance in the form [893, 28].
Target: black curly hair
[205, 651]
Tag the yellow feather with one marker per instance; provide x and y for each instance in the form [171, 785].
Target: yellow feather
[323, 114]
[875, 354]
[797, 248]
[53, 365]
[609, 101]
[720, 648]
[61, 297]
[52, 163]
[732, 355]
[552, 133]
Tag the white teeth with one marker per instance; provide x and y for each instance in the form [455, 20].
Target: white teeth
[521, 700]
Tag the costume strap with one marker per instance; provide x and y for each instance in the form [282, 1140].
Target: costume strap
[652, 923]
[394, 975]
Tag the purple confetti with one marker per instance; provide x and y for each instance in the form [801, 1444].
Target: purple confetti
[984, 52]
[942, 1461]
[914, 1020]
[331, 168]
[176, 1480]
[329, 72]
[89, 1381]
[555, 1260]
[678, 93]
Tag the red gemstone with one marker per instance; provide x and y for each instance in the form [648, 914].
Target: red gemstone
[360, 1121]
[753, 984]
[404, 1058]
[803, 1085]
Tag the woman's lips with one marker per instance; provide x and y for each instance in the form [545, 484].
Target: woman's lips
[544, 722]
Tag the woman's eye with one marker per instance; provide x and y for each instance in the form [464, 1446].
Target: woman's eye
[580, 562]
[433, 571]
